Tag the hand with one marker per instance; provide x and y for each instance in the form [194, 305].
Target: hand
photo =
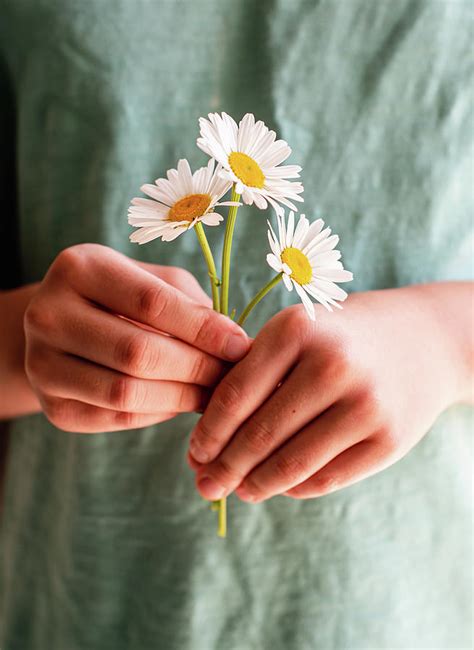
[359, 388]
[114, 344]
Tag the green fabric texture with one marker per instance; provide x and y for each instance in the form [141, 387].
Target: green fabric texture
[105, 543]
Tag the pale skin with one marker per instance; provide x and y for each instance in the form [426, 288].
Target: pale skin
[104, 343]
[316, 407]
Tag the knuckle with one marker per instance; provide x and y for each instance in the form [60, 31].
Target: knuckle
[369, 406]
[39, 318]
[337, 366]
[37, 367]
[205, 438]
[228, 398]
[125, 419]
[58, 412]
[389, 443]
[183, 276]
[289, 467]
[296, 320]
[152, 302]
[70, 261]
[199, 369]
[255, 487]
[206, 334]
[183, 398]
[123, 394]
[133, 354]
[369, 400]
[258, 437]
[225, 472]
[324, 484]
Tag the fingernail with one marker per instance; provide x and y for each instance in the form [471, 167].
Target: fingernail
[198, 453]
[237, 346]
[210, 488]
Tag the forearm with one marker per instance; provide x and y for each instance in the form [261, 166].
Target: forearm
[451, 306]
[16, 395]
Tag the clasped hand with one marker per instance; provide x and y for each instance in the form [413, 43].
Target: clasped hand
[315, 407]
[307, 408]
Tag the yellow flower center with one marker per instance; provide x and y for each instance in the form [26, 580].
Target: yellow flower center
[301, 271]
[187, 209]
[246, 169]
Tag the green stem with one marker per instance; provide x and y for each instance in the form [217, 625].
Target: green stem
[256, 299]
[223, 306]
[229, 231]
[211, 266]
[219, 505]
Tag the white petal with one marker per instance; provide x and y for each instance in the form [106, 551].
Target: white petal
[173, 233]
[329, 288]
[310, 246]
[144, 235]
[308, 305]
[287, 282]
[290, 229]
[282, 230]
[259, 201]
[184, 171]
[275, 154]
[313, 230]
[147, 213]
[272, 231]
[212, 219]
[274, 262]
[278, 209]
[273, 244]
[259, 140]
[326, 245]
[336, 275]
[283, 171]
[158, 194]
[246, 125]
[326, 259]
[149, 203]
[321, 297]
[300, 232]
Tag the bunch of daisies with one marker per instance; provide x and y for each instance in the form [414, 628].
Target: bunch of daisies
[245, 160]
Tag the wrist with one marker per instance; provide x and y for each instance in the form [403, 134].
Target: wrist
[448, 307]
[16, 395]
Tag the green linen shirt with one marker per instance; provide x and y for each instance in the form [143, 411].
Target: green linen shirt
[105, 543]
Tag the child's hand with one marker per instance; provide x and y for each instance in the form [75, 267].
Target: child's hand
[93, 369]
[360, 388]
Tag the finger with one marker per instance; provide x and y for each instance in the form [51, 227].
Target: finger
[193, 464]
[112, 280]
[102, 337]
[78, 417]
[353, 465]
[339, 428]
[60, 375]
[180, 279]
[288, 410]
[240, 393]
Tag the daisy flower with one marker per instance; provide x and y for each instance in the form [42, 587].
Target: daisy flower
[307, 259]
[178, 203]
[250, 157]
